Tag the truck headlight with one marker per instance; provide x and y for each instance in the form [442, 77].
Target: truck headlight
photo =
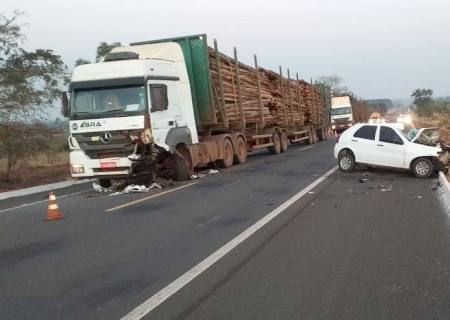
[333, 127]
[77, 168]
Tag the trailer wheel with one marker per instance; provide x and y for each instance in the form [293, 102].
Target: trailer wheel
[276, 148]
[241, 149]
[321, 134]
[228, 154]
[311, 137]
[284, 141]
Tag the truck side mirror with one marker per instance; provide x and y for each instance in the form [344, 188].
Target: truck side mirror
[65, 104]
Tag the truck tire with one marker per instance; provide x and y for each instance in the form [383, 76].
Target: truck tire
[183, 164]
[346, 161]
[422, 168]
[321, 134]
[105, 183]
[228, 154]
[284, 141]
[241, 148]
[276, 148]
[181, 168]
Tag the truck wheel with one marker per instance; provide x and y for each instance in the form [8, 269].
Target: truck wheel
[105, 183]
[183, 164]
[321, 134]
[284, 141]
[241, 155]
[228, 154]
[346, 161]
[423, 168]
[276, 148]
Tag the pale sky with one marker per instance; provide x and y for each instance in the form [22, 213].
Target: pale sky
[383, 49]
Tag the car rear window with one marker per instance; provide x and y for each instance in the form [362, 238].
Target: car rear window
[366, 132]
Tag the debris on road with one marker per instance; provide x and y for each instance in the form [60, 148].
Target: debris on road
[384, 188]
[363, 180]
[124, 188]
[133, 188]
[203, 174]
[100, 189]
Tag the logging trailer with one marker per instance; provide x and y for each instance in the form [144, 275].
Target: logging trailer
[165, 107]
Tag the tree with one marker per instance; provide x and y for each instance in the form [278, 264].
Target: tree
[105, 48]
[423, 98]
[29, 82]
[81, 61]
[335, 83]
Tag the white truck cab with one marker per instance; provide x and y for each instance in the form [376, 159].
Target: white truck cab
[341, 113]
[140, 92]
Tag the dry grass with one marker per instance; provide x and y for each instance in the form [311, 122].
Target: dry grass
[437, 120]
[38, 170]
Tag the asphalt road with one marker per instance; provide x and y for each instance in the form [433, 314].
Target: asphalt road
[345, 250]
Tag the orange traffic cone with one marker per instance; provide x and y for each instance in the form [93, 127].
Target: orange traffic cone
[53, 212]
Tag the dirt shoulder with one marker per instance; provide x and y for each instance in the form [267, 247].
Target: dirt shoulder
[35, 176]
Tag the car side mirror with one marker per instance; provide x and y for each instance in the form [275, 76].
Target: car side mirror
[65, 104]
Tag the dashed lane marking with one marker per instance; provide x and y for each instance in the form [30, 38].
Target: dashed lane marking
[131, 203]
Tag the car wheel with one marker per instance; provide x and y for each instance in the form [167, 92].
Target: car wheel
[346, 161]
[423, 168]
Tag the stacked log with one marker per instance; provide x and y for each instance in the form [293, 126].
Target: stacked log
[281, 101]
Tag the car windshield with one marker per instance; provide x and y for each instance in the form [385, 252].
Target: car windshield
[341, 111]
[108, 102]
[407, 135]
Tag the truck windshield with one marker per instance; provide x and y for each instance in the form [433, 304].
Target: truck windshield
[341, 111]
[108, 102]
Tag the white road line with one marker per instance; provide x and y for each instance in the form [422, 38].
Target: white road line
[159, 297]
[149, 197]
[40, 201]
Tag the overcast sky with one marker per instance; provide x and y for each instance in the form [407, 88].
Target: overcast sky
[382, 48]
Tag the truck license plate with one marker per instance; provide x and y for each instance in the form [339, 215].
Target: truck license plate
[108, 165]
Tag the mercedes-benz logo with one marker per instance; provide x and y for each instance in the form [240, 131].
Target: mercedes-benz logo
[106, 137]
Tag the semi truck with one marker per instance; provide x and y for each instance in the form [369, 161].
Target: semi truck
[165, 107]
[341, 113]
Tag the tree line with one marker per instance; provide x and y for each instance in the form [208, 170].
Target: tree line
[426, 105]
[30, 82]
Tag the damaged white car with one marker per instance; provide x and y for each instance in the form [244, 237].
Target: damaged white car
[387, 146]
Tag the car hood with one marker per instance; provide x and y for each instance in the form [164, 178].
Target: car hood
[427, 136]
[423, 150]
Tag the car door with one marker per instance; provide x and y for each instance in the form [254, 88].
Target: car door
[390, 148]
[363, 144]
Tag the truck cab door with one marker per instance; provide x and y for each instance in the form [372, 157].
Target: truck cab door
[165, 109]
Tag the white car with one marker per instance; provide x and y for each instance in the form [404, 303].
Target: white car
[384, 145]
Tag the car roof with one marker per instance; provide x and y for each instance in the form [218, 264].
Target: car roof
[387, 124]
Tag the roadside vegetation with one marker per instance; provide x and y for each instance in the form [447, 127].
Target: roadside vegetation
[33, 148]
